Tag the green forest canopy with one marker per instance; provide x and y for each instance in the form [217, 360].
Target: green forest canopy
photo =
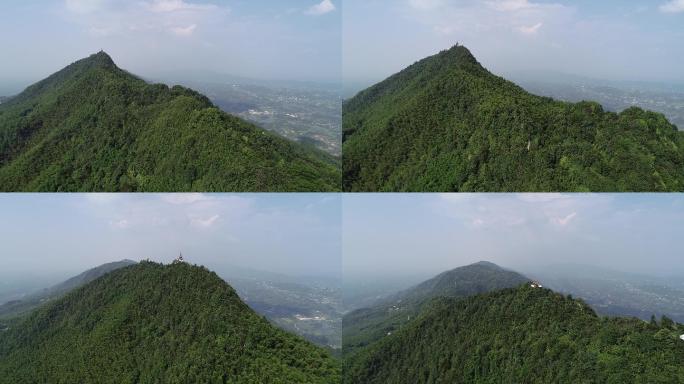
[93, 127]
[521, 335]
[447, 124]
[155, 323]
[367, 325]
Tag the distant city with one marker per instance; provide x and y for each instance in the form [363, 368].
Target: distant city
[614, 96]
[307, 113]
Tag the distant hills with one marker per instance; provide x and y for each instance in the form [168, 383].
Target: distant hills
[485, 324]
[95, 127]
[367, 325]
[521, 335]
[445, 124]
[614, 96]
[18, 307]
[157, 323]
[613, 293]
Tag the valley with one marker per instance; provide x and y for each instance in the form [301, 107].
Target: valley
[307, 114]
[309, 309]
[612, 293]
[614, 97]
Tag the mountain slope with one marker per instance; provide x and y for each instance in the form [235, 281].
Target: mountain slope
[154, 323]
[17, 307]
[522, 335]
[365, 326]
[95, 127]
[446, 124]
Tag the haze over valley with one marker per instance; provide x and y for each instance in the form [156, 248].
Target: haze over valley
[617, 252]
[305, 112]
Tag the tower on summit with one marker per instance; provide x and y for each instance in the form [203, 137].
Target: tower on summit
[179, 259]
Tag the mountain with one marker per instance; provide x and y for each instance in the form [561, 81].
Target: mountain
[521, 335]
[447, 124]
[469, 280]
[308, 115]
[365, 326]
[157, 323]
[613, 97]
[18, 307]
[614, 293]
[95, 127]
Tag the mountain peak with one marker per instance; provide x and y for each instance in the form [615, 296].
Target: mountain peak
[459, 54]
[187, 309]
[485, 263]
[464, 281]
[100, 58]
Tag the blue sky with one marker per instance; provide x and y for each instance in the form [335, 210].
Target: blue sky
[296, 234]
[424, 234]
[607, 39]
[268, 39]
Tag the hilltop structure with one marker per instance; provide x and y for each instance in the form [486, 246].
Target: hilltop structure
[179, 259]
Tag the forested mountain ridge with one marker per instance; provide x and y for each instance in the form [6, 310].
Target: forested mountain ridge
[95, 127]
[521, 335]
[464, 281]
[367, 325]
[157, 323]
[18, 307]
[447, 124]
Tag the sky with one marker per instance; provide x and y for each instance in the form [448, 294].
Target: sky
[608, 39]
[426, 234]
[265, 39]
[294, 234]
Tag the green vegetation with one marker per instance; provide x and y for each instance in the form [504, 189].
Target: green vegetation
[95, 127]
[151, 323]
[522, 335]
[447, 124]
[363, 327]
[17, 307]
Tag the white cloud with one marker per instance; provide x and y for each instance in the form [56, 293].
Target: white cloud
[105, 18]
[184, 31]
[467, 21]
[673, 6]
[178, 5]
[120, 224]
[102, 198]
[83, 6]
[325, 6]
[563, 221]
[426, 4]
[204, 222]
[506, 212]
[184, 198]
[531, 30]
[541, 197]
[147, 212]
[511, 5]
[457, 197]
